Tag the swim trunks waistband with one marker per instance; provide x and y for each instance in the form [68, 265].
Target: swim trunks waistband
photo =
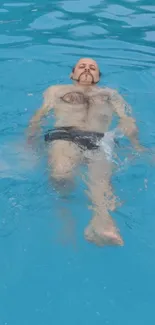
[87, 140]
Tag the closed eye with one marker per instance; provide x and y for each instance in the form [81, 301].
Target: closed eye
[82, 66]
[92, 67]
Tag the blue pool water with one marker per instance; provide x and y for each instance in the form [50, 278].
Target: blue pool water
[48, 273]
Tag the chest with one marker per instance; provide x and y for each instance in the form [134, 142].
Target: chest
[88, 100]
[89, 106]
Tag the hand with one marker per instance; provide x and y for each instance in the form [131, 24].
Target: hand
[31, 141]
[141, 148]
[128, 126]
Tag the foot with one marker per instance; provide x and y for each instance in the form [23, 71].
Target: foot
[103, 237]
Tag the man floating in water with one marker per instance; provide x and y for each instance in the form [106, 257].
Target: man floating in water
[83, 114]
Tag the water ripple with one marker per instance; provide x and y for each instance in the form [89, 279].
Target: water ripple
[17, 4]
[52, 20]
[4, 39]
[79, 6]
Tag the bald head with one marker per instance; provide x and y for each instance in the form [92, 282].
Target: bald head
[86, 72]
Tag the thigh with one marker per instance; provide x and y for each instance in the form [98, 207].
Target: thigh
[63, 157]
[99, 167]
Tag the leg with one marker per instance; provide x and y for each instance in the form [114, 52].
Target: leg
[102, 229]
[63, 158]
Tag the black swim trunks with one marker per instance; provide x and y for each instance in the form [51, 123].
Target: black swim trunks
[84, 139]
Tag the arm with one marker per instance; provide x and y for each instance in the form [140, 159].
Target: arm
[48, 102]
[127, 123]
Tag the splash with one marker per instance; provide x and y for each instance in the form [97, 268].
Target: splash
[122, 154]
[17, 160]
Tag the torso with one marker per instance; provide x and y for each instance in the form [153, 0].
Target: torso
[87, 109]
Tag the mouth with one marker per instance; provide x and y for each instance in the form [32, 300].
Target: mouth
[86, 74]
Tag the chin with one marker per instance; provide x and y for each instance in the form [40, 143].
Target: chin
[85, 82]
[86, 79]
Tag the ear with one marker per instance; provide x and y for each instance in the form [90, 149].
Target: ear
[100, 74]
[71, 75]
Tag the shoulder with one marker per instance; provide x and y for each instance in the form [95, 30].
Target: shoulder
[111, 92]
[51, 90]
[56, 90]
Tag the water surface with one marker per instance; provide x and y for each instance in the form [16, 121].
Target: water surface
[43, 280]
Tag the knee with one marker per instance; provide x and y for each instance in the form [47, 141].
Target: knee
[62, 183]
[60, 173]
[61, 170]
[61, 178]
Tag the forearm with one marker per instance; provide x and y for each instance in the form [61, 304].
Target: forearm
[34, 125]
[129, 128]
[127, 123]
[48, 103]
[35, 122]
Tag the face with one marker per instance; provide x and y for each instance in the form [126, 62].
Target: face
[86, 72]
